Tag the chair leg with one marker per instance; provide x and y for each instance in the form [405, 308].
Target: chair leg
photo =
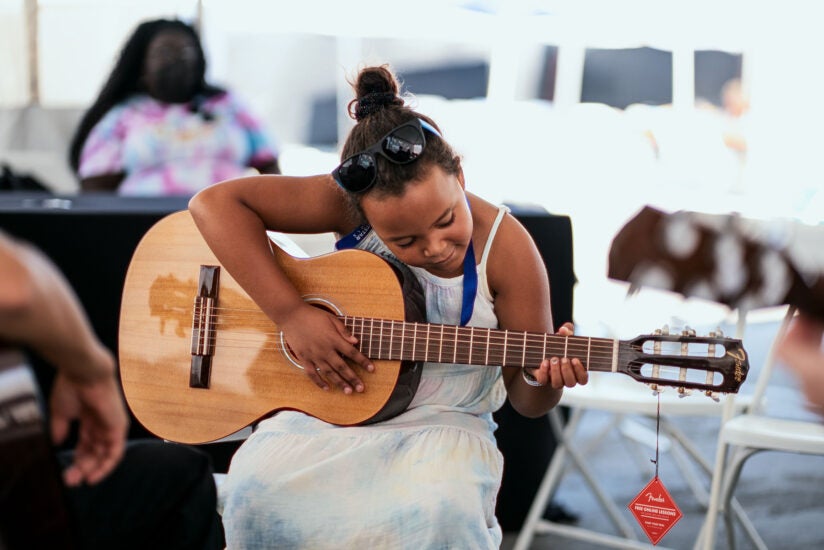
[730, 482]
[607, 503]
[566, 450]
[547, 487]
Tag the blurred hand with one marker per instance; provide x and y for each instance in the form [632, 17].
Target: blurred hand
[103, 425]
[800, 350]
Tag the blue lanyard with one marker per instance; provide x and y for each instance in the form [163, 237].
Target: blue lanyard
[470, 284]
[352, 239]
[470, 271]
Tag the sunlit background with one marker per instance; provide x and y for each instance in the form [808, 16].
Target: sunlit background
[586, 108]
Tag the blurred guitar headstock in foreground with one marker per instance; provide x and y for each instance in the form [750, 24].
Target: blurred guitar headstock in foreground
[711, 257]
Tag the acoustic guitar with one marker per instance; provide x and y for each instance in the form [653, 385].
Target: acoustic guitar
[200, 361]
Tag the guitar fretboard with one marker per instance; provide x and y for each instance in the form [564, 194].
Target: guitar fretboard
[436, 343]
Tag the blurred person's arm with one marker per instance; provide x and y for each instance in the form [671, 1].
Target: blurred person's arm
[39, 311]
[800, 350]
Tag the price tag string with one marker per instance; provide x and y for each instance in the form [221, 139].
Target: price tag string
[657, 434]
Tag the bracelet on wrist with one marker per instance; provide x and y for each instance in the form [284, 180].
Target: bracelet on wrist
[531, 380]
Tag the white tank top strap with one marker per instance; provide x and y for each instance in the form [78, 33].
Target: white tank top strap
[483, 280]
[502, 210]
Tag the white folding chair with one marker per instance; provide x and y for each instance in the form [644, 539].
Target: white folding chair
[742, 436]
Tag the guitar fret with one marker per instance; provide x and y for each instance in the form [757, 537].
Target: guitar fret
[615, 355]
[380, 341]
[440, 345]
[543, 351]
[367, 341]
[455, 347]
[589, 349]
[391, 337]
[471, 338]
[427, 344]
[523, 354]
[486, 356]
[414, 339]
[506, 341]
[403, 336]
[370, 336]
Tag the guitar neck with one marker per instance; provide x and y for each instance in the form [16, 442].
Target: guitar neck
[436, 343]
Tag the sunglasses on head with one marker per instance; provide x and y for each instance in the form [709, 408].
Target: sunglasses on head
[401, 145]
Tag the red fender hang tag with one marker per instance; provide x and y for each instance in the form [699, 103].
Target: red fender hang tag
[655, 510]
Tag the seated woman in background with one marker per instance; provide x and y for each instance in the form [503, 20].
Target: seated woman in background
[158, 128]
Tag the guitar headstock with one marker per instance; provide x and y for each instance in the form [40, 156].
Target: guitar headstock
[712, 363]
[710, 257]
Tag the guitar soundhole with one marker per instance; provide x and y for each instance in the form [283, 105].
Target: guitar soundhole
[318, 302]
[325, 306]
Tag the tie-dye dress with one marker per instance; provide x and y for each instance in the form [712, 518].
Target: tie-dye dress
[425, 479]
[173, 149]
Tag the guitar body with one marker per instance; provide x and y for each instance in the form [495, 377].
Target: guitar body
[250, 374]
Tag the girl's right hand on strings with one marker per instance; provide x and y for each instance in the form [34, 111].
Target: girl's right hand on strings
[322, 345]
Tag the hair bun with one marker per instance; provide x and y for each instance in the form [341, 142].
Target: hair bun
[376, 89]
[374, 102]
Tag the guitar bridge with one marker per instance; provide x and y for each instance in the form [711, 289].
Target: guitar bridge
[203, 326]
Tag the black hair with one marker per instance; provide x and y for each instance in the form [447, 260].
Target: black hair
[125, 78]
[378, 108]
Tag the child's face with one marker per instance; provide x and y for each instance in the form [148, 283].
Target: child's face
[429, 226]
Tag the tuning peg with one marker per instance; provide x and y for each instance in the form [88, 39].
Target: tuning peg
[712, 334]
[684, 392]
[712, 395]
[688, 331]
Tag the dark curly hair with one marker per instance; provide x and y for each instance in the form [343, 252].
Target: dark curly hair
[378, 108]
[125, 78]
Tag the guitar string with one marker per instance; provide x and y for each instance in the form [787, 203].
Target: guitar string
[513, 340]
[532, 342]
[496, 334]
[258, 315]
[235, 339]
[533, 345]
[261, 320]
[533, 352]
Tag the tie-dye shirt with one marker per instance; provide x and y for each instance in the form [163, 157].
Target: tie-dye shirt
[168, 149]
[427, 478]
